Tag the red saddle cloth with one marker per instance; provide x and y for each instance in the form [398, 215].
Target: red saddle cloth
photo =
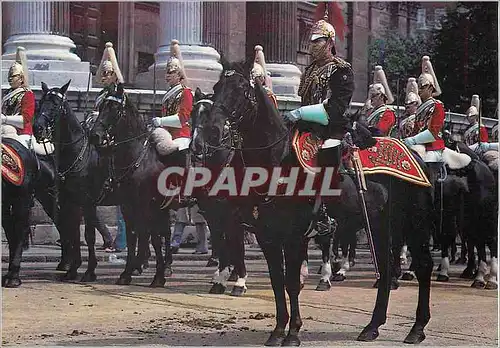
[306, 146]
[390, 156]
[12, 165]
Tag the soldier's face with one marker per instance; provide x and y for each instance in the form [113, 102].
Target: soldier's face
[16, 81]
[425, 92]
[173, 78]
[319, 48]
[472, 119]
[411, 108]
[376, 99]
[108, 77]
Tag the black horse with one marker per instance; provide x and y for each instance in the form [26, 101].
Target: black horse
[80, 178]
[136, 167]
[17, 197]
[226, 229]
[480, 216]
[283, 221]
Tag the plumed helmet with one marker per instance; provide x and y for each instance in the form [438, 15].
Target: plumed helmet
[428, 76]
[259, 66]
[109, 63]
[412, 92]
[473, 110]
[20, 66]
[380, 84]
[175, 62]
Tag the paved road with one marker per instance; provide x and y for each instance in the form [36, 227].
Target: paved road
[46, 312]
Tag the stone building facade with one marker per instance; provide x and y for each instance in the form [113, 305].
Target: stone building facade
[75, 33]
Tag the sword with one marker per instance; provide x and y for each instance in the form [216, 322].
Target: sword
[87, 95]
[154, 88]
[360, 178]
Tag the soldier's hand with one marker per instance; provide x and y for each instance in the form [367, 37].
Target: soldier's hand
[293, 115]
[156, 121]
[410, 141]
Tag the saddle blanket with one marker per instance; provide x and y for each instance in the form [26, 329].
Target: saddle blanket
[12, 166]
[306, 146]
[390, 156]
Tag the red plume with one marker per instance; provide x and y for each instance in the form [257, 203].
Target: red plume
[335, 16]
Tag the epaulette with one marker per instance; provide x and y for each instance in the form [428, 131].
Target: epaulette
[341, 63]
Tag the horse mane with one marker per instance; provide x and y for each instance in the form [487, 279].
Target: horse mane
[134, 120]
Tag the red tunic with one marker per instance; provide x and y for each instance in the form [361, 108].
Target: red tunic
[483, 134]
[28, 112]
[23, 104]
[182, 105]
[384, 122]
[433, 120]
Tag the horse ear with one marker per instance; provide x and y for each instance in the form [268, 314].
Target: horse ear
[224, 62]
[119, 88]
[45, 88]
[198, 95]
[65, 87]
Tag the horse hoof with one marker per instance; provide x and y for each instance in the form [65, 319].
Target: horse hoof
[407, 276]
[13, 283]
[212, 262]
[275, 339]
[68, 276]
[291, 341]
[319, 270]
[491, 285]
[337, 277]
[368, 334]
[415, 336]
[442, 278]
[478, 284]
[323, 285]
[336, 266]
[168, 272]
[124, 280]
[63, 266]
[88, 277]
[468, 273]
[233, 276]
[218, 289]
[157, 283]
[394, 284]
[238, 291]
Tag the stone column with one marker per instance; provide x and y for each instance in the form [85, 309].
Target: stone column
[278, 32]
[42, 28]
[126, 41]
[183, 21]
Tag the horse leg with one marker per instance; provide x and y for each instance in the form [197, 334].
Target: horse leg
[159, 278]
[50, 207]
[17, 228]
[482, 270]
[223, 271]
[90, 212]
[448, 234]
[238, 247]
[143, 254]
[381, 239]
[492, 283]
[131, 237]
[326, 267]
[273, 253]
[418, 241]
[293, 257]
[71, 214]
[304, 267]
[167, 235]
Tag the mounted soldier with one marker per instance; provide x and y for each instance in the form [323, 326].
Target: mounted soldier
[173, 132]
[412, 102]
[477, 135]
[109, 75]
[18, 107]
[260, 73]
[382, 119]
